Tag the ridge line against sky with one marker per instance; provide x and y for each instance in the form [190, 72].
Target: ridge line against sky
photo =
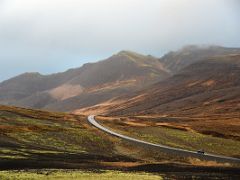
[49, 36]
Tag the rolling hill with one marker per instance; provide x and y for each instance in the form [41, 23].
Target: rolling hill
[196, 107]
[203, 97]
[208, 86]
[41, 143]
[85, 86]
[96, 84]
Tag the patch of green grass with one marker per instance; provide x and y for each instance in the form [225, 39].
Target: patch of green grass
[181, 139]
[81, 175]
[189, 140]
[33, 134]
[70, 139]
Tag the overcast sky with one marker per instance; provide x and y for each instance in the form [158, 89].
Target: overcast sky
[53, 35]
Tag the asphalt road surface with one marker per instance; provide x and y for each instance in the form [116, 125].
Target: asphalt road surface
[166, 149]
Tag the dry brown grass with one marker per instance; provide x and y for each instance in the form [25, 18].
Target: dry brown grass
[198, 162]
[40, 139]
[175, 132]
[218, 126]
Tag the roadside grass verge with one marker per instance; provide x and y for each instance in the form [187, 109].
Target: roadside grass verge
[174, 137]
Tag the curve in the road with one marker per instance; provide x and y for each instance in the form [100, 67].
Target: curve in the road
[166, 149]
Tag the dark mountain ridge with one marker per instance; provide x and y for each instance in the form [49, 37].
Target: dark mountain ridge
[119, 74]
[175, 61]
[208, 86]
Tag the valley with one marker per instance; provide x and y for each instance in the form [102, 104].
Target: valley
[188, 99]
[40, 141]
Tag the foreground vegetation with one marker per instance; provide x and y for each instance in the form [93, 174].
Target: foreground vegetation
[33, 138]
[172, 135]
[70, 174]
[36, 140]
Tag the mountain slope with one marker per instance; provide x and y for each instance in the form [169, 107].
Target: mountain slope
[211, 86]
[176, 61]
[27, 84]
[120, 74]
[101, 82]
[204, 98]
[92, 83]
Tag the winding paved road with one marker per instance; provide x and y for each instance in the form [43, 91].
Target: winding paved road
[166, 149]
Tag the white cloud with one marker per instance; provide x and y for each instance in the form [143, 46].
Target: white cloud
[75, 30]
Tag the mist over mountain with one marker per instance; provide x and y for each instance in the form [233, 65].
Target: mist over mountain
[124, 73]
[174, 61]
[52, 36]
[208, 87]
[85, 86]
[114, 89]
[201, 70]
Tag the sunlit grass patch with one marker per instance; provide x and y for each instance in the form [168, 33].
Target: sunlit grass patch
[190, 140]
[81, 175]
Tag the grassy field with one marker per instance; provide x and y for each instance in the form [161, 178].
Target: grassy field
[36, 140]
[70, 174]
[224, 126]
[173, 135]
[51, 139]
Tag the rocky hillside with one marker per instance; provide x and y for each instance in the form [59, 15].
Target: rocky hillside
[85, 86]
[208, 87]
[95, 84]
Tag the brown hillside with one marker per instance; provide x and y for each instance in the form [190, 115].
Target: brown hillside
[91, 84]
[211, 86]
[177, 60]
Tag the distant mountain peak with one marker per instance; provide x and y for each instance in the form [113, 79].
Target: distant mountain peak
[133, 56]
[130, 54]
[126, 52]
